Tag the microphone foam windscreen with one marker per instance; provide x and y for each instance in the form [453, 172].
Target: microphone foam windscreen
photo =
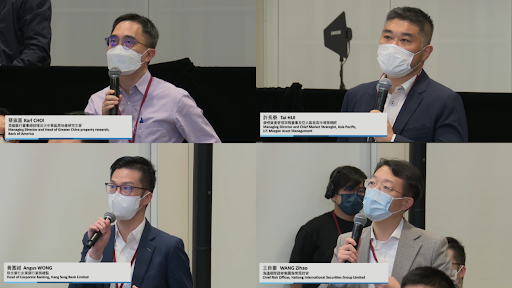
[360, 218]
[114, 71]
[384, 83]
[113, 217]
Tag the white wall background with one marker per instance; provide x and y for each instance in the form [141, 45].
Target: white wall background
[174, 197]
[234, 241]
[209, 32]
[469, 197]
[472, 41]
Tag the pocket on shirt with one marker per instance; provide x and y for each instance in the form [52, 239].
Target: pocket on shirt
[152, 132]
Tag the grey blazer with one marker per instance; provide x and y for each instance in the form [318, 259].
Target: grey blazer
[416, 248]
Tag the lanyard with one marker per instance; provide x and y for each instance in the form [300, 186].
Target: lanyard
[131, 264]
[373, 251]
[336, 221]
[138, 115]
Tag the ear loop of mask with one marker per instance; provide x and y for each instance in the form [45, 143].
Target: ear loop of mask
[415, 55]
[396, 199]
[141, 200]
[145, 62]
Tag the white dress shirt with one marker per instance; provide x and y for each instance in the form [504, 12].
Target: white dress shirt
[385, 251]
[395, 101]
[124, 250]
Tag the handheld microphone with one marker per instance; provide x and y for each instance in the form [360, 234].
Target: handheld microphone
[359, 222]
[114, 74]
[96, 235]
[382, 94]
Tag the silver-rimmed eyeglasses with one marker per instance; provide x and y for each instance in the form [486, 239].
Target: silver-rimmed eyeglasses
[371, 183]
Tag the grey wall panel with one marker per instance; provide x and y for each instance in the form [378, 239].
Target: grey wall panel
[210, 33]
[469, 199]
[472, 42]
[80, 27]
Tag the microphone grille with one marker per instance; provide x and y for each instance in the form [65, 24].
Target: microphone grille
[114, 71]
[384, 83]
[111, 216]
[360, 219]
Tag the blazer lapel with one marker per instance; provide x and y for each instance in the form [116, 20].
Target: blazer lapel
[363, 250]
[406, 251]
[412, 101]
[370, 99]
[144, 254]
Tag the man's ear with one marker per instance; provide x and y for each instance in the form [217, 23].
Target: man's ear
[426, 52]
[408, 202]
[148, 198]
[462, 271]
[149, 55]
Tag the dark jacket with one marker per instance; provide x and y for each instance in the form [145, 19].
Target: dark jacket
[431, 112]
[25, 32]
[161, 261]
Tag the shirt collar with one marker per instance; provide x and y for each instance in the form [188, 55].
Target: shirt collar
[407, 85]
[396, 234]
[143, 82]
[136, 234]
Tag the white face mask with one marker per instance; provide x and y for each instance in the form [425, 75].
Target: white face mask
[124, 207]
[127, 60]
[395, 61]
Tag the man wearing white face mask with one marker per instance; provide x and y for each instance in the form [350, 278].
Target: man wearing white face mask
[418, 108]
[157, 258]
[161, 112]
[393, 188]
[458, 258]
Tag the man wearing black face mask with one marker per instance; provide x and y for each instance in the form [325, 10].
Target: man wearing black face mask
[316, 239]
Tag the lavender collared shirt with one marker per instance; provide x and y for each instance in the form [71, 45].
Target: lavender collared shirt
[168, 115]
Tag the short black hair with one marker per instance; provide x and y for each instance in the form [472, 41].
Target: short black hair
[413, 184]
[344, 176]
[428, 276]
[149, 30]
[458, 250]
[141, 164]
[417, 17]
[4, 111]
